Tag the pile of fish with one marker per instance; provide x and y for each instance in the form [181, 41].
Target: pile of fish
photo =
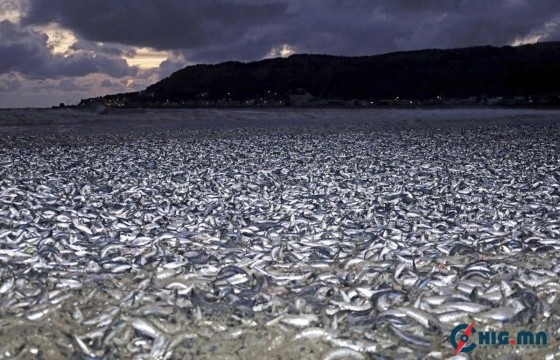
[322, 244]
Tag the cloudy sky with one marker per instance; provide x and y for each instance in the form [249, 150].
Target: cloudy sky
[55, 51]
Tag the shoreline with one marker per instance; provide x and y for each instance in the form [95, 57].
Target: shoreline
[217, 118]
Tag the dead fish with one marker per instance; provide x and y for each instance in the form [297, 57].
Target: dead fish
[145, 328]
[367, 241]
[343, 353]
[503, 314]
[410, 339]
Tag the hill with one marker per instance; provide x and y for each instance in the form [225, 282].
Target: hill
[425, 75]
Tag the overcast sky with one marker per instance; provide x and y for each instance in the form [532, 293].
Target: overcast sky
[55, 51]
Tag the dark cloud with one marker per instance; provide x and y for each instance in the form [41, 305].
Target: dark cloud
[107, 83]
[162, 24]
[373, 27]
[218, 30]
[25, 51]
[10, 83]
[70, 85]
